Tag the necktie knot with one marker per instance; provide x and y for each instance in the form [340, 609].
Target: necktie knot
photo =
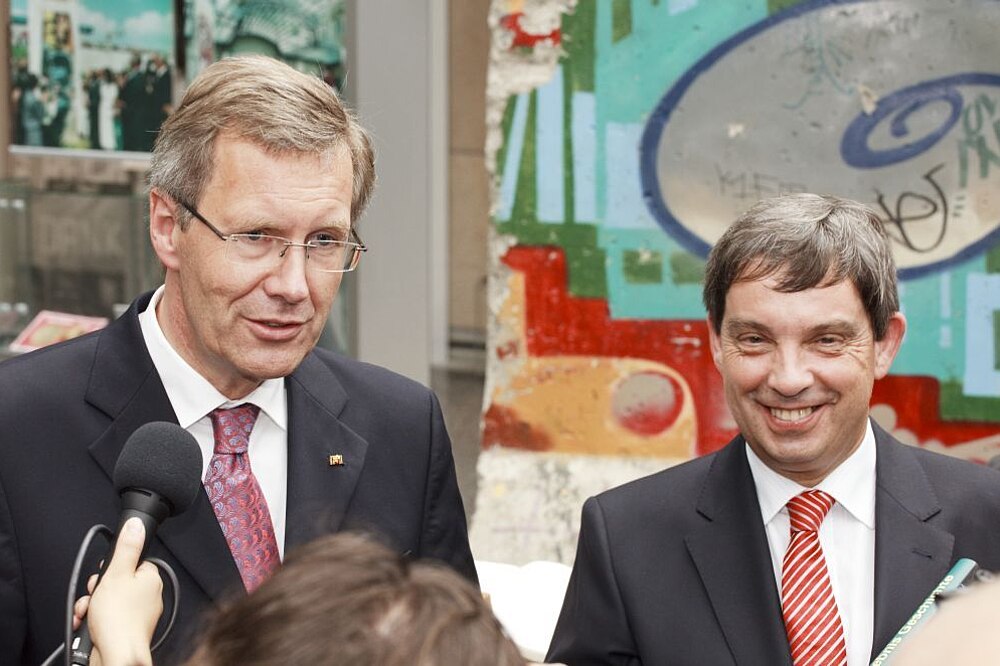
[807, 510]
[232, 428]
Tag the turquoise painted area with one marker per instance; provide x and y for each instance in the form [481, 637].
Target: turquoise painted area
[930, 304]
[631, 75]
[634, 73]
[623, 190]
[626, 300]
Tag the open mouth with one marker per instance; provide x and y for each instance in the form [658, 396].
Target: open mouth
[791, 415]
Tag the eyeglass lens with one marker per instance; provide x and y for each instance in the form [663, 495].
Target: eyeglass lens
[259, 249]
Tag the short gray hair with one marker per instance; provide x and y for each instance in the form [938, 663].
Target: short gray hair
[806, 240]
[265, 101]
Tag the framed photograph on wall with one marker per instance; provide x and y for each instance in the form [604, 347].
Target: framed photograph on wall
[90, 74]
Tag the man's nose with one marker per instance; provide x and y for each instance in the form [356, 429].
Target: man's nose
[288, 279]
[790, 372]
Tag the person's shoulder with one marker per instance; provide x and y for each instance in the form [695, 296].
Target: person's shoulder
[377, 402]
[369, 381]
[46, 381]
[49, 363]
[959, 484]
[940, 465]
[674, 487]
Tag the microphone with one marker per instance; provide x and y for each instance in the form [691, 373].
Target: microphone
[961, 574]
[158, 475]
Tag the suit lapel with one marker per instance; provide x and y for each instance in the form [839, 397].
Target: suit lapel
[732, 557]
[125, 385]
[319, 489]
[911, 554]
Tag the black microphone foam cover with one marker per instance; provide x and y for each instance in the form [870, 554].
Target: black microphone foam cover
[163, 458]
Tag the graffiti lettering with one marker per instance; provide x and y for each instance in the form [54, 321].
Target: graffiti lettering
[897, 108]
[974, 142]
[914, 207]
[902, 25]
[891, 28]
[753, 185]
[823, 60]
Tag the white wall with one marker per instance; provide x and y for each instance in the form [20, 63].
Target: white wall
[397, 86]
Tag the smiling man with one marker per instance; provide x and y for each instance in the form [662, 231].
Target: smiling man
[257, 183]
[813, 536]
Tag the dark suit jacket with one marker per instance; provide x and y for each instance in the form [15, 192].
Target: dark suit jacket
[675, 568]
[66, 411]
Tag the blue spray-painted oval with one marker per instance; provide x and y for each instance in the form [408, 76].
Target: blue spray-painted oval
[854, 147]
[846, 97]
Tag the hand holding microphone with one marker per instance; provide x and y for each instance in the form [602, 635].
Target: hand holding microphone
[158, 475]
[123, 611]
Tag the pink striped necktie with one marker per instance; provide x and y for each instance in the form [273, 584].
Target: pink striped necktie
[236, 497]
[812, 620]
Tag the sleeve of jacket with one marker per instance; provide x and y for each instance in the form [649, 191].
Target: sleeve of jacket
[593, 628]
[12, 606]
[445, 534]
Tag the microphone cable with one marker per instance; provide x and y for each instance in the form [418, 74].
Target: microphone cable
[66, 648]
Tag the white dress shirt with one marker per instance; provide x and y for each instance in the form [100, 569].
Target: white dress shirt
[847, 536]
[193, 399]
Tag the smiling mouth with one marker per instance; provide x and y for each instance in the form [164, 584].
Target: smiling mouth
[791, 415]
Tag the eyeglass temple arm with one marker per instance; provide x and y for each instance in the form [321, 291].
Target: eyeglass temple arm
[357, 239]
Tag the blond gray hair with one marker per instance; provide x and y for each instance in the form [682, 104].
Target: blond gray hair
[265, 101]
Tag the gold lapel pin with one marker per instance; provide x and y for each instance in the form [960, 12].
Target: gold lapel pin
[336, 460]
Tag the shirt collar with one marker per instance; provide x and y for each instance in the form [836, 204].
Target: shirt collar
[852, 483]
[190, 394]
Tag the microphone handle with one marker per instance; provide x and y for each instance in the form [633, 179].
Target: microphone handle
[82, 644]
[79, 653]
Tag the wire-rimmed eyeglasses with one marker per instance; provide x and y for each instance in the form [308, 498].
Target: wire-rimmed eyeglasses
[326, 254]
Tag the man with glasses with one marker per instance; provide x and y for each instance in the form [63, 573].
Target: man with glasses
[256, 184]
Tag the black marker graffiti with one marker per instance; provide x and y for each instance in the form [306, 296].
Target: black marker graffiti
[914, 207]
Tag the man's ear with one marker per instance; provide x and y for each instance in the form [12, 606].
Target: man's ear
[886, 348]
[164, 229]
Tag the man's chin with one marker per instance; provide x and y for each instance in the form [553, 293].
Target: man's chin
[269, 368]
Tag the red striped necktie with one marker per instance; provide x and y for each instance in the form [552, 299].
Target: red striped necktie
[812, 620]
[237, 499]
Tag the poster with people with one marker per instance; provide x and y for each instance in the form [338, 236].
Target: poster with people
[90, 74]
